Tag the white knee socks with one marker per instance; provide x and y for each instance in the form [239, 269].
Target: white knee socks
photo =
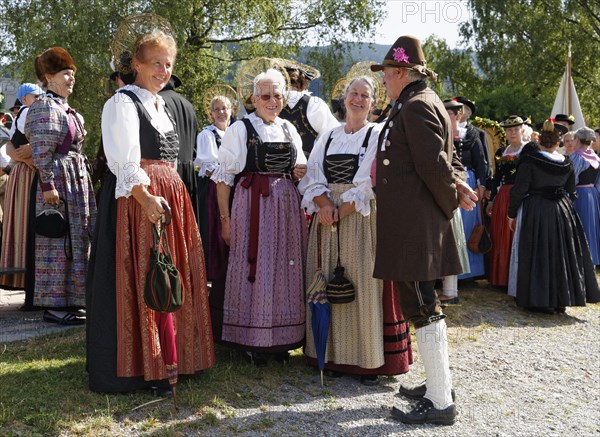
[433, 347]
[450, 286]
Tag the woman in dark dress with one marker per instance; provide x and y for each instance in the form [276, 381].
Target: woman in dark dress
[553, 268]
[126, 347]
[208, 142]
[506, 170]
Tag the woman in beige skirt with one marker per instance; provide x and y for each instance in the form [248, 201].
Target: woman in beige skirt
[337, 189]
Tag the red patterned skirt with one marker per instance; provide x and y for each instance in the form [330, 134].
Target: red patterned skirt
[138, 344]
[502, 236]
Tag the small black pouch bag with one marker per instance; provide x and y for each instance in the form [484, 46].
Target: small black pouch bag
[339, 288]
[163, 291]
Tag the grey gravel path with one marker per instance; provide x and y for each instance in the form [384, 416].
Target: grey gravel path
[515, 374]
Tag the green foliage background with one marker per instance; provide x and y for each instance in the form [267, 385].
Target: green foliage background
[213, 36]
[512, 57]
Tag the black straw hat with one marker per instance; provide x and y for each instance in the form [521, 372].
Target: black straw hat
[467, 102]
[565, 118]
[452, 104]
[512, 121]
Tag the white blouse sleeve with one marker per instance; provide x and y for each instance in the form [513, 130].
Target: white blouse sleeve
[314, 183]
[232, 154]
[207, 152]
[320, 117]
[121, 140]
[362, 192]
[20, 122]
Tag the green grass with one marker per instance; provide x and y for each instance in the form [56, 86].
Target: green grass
[44, 392]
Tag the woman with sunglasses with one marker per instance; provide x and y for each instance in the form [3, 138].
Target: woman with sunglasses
[260, 158]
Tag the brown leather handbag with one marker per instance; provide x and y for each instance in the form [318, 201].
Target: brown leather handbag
[479, 241]
[163, 291]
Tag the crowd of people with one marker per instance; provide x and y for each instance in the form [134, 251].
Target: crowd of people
[253, 208]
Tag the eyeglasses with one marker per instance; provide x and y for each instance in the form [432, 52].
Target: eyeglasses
[267, 97]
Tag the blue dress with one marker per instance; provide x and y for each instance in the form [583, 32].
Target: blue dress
[587, 205]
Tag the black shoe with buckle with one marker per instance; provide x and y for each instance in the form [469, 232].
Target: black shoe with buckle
[417, 392]
[333, 373]
[425, 412]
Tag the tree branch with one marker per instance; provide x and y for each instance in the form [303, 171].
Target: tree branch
[297, 27]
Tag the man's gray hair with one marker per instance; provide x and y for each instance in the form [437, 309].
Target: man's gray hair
[414, 75]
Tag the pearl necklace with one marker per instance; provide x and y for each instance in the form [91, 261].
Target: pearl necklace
[352, 131]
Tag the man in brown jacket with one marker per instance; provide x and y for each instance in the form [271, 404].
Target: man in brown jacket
[419, 183]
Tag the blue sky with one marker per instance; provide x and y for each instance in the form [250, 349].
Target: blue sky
[423, 18]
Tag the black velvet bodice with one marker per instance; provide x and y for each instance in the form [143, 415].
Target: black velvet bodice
[588, 176]
[267, 157]
[298, 117]
[340, 168]
[153, 145]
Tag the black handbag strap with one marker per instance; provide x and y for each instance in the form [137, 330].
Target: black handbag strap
[478, 216]
[67, 242]
[318, 245]
[157, 237]
[339, 262]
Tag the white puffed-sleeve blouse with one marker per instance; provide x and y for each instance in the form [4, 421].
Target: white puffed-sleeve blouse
[207, 152]
[318, 113]
[233, 150]
[121, 135]
[315, 183]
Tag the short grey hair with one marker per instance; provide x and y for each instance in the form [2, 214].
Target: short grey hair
[414, 75]
[365, 79]
[270, 75]
[223, 99]
[526, 133]
[585, 135]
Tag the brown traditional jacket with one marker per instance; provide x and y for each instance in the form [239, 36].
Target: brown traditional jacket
[416, 192]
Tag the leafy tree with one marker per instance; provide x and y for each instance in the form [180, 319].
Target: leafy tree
[212, 37]
[457, 73]
[522, 51]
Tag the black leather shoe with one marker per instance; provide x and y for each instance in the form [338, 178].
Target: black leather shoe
[67, 320]
[425, 412]
[417, 392]
[282, 357]
[370, 380]
[161, 392]
[542, 310]
[254, 358]
[333, 373]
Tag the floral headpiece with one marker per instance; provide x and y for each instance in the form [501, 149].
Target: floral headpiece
[549, 124]
[400, 55]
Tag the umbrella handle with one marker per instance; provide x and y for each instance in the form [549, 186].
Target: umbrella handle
[173, 389]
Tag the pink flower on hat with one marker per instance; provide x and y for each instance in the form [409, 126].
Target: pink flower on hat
[400, 55]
